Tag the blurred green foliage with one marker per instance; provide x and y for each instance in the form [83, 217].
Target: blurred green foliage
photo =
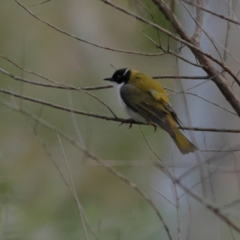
[33, 192]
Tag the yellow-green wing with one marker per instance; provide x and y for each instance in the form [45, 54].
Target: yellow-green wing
[158, 97]
[145, 105]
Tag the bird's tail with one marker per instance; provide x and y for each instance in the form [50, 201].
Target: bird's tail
[183, 144]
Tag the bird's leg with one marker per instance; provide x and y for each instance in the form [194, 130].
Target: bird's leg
[154, 126]
[129, 121]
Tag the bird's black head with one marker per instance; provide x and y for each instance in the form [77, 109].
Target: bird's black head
[120, 76]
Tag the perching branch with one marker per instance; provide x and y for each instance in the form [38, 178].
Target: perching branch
[116, 119]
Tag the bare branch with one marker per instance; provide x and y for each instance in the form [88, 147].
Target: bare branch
[203, 59]
[98, 87]
[200, 27]
[184, 41]
[61, 86]
[199, 20]
[228, 30]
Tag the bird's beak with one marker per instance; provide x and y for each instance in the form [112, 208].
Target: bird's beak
[108, 79]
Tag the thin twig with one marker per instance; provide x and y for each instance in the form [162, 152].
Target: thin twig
[202, 98]
[40, 3]
[204, 202]
[213, 13]
[162, 196]
[70, 87]
[153, 18]
[75, 124]
[80, 207]
[65, 86]
[177, 198]
[85, 41]
[61, 86]
[98, 87]
[168, 51]
[205, 178]
[182, 77]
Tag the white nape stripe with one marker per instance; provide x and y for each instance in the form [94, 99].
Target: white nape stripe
[126, 71]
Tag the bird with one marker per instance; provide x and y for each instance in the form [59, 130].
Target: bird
[145, 101]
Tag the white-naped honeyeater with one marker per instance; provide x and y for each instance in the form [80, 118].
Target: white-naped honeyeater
[145, 101]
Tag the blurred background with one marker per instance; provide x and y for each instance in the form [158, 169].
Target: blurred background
[36, 197]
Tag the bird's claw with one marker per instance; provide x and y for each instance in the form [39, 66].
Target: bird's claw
[155, 127]
[130, 122]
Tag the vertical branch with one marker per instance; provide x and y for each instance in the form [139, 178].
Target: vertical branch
[230, 14]
[177, 200]
[200, 26]
[186, 108]
[199, 19]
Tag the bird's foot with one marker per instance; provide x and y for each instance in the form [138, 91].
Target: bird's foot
[154, 126]
[129, 121]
